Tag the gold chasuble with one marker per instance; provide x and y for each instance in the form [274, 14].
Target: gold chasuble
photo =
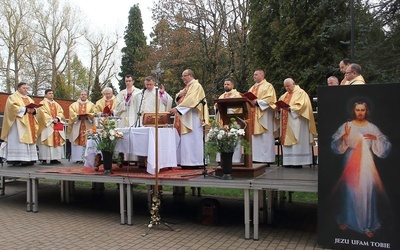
[77, 109]
[46, 115]
[27, 132]
[300, 103]
[103, 102]
[265, 92]
[195, 93]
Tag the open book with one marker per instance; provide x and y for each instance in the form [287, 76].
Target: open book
[282, 104]
[249, 96]
[33, 105]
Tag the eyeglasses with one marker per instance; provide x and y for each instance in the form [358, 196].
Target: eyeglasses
[185, 75]
[348, 72]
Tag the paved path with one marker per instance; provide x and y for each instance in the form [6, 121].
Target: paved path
[92, 222]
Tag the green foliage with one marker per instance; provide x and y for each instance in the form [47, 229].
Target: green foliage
[79, 77]
[96, 94]
[61, 89]
[298, 39]
[135, 42]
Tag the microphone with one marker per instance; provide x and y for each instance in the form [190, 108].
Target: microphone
[144, 89]
[230, 72]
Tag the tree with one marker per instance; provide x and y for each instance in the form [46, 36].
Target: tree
[57, 33]
[135, 42]
[298, 39]
[203, 36]
[61, 89]
[96, 94]
[15, 36]
[36, 68]
[101, 60]
[78, 77]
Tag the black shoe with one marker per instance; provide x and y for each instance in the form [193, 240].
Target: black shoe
[288, 166]
[298, 166]
[79, 162]
[55, 162]
[44, 162]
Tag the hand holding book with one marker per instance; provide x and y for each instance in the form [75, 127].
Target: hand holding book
[249, 96]
[282, 105]
[33, 106]
[82, 116]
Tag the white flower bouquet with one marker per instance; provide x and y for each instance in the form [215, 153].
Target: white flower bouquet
[224, 138]
[105, 136]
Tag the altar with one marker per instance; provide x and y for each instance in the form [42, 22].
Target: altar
[141, 142]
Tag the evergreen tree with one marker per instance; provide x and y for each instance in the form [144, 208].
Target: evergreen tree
[135, 41]
[96, 91]
[301, 39]
[62, 90]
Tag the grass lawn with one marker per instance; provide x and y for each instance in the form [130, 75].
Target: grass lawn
[219, 192]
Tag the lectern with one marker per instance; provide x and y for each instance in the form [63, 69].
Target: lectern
[245, 169]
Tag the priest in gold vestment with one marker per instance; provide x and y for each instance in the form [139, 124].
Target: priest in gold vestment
[51, 135]
[263, 119]
[108, 100]
[81, 114]
[189, 121]
[19, 130]
[230, 92]
[297, 126]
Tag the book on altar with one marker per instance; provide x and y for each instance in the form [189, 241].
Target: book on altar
[249, 96]
[59, 126]
[149, 119]
[33, 105]
[282, 104]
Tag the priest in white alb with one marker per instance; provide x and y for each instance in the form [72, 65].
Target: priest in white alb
[81, 114]
[190, 116]
[51, 129]
[19, 130]
[125, 105]
[146, 99]
[263, 119]
[298, 128]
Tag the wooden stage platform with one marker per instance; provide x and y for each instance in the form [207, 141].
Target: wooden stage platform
[264, 188]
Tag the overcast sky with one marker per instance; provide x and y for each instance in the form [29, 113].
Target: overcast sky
[113, 15]
[109, 17]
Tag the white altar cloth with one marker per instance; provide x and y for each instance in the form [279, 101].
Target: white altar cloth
[141, 142]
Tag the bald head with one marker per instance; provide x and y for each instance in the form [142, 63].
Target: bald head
[332, 81]
[289, 84]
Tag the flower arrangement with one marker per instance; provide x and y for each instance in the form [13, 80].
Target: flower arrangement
[224, 138]
[105, 136]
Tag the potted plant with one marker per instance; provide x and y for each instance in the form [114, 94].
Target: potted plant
[105, 136]
[224, 139]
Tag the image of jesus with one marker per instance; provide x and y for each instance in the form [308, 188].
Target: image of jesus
[359, 140]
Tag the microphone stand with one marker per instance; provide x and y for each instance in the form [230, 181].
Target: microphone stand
[139, 113]
[203, 102]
